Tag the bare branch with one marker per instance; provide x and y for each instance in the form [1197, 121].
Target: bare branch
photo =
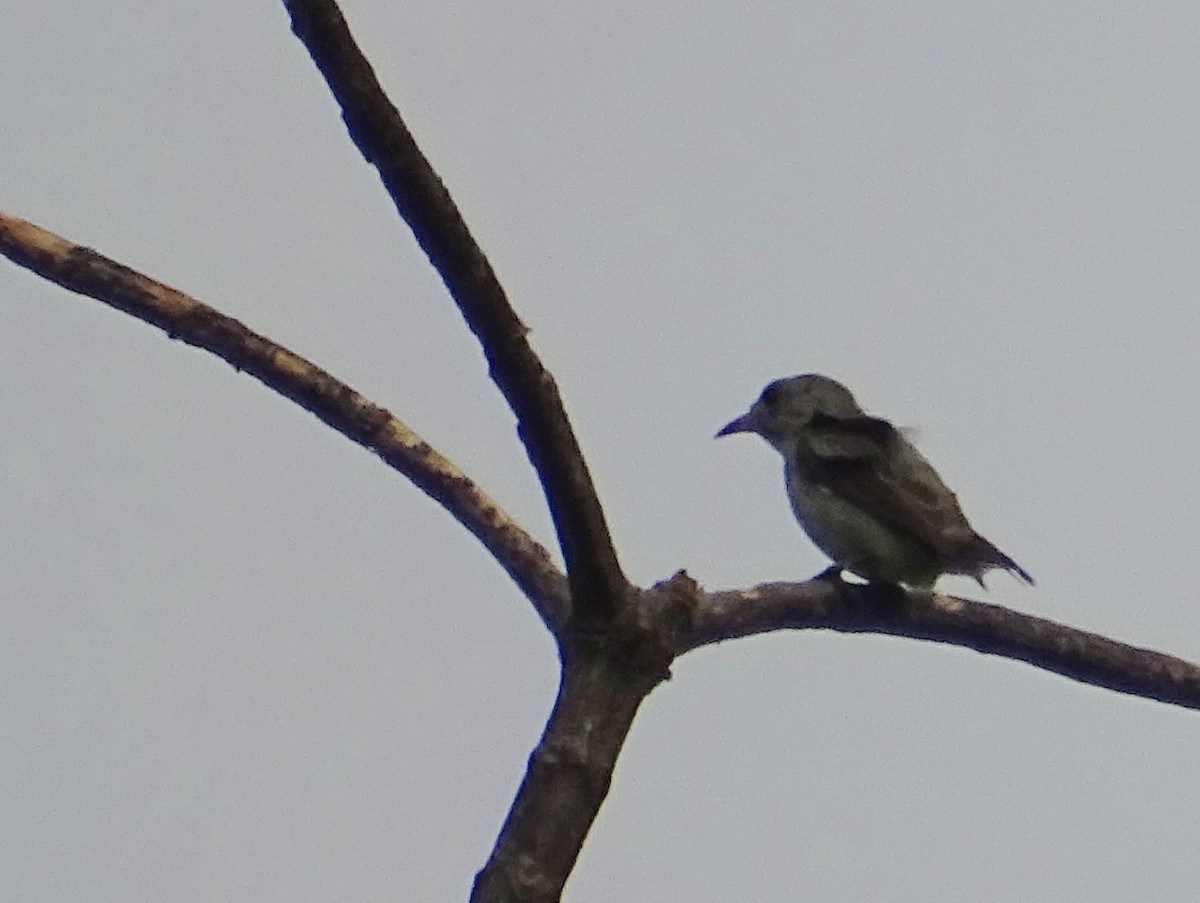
[570, 771]
[1086, 657]
[567, 779]
[379, 132]
[84, 271]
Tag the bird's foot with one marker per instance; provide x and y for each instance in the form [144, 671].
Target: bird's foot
[886, 597]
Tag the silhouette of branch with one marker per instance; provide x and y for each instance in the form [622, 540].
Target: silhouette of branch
[570, 771]
[84, 271]
[848, 608]
[606, 674]
[616, 641]
[567, 779]
[376, 127]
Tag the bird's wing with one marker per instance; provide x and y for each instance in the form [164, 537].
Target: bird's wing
[866, 461]
[849, 438]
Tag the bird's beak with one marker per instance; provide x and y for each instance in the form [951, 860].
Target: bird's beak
[744, 424]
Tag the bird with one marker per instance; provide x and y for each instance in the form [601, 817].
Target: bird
[860, 490]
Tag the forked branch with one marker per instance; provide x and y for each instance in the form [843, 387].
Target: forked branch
[617, 641]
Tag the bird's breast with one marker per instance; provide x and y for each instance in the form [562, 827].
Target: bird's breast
[855, 539]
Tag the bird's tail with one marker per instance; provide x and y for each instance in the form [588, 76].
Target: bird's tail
[986, 556]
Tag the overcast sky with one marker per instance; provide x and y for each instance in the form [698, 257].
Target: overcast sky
[242, 660]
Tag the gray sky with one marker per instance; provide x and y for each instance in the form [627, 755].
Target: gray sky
[243, 660]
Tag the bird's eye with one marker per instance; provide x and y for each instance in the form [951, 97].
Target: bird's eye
[770, 395]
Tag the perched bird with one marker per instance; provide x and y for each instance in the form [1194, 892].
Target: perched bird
[862, 493]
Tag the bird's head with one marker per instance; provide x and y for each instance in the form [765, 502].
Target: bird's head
[787, 406]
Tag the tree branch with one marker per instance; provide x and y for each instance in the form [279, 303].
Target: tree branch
[376, 127]
[84, 271]
[832, 605]
[567, 779]
[616, 641]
